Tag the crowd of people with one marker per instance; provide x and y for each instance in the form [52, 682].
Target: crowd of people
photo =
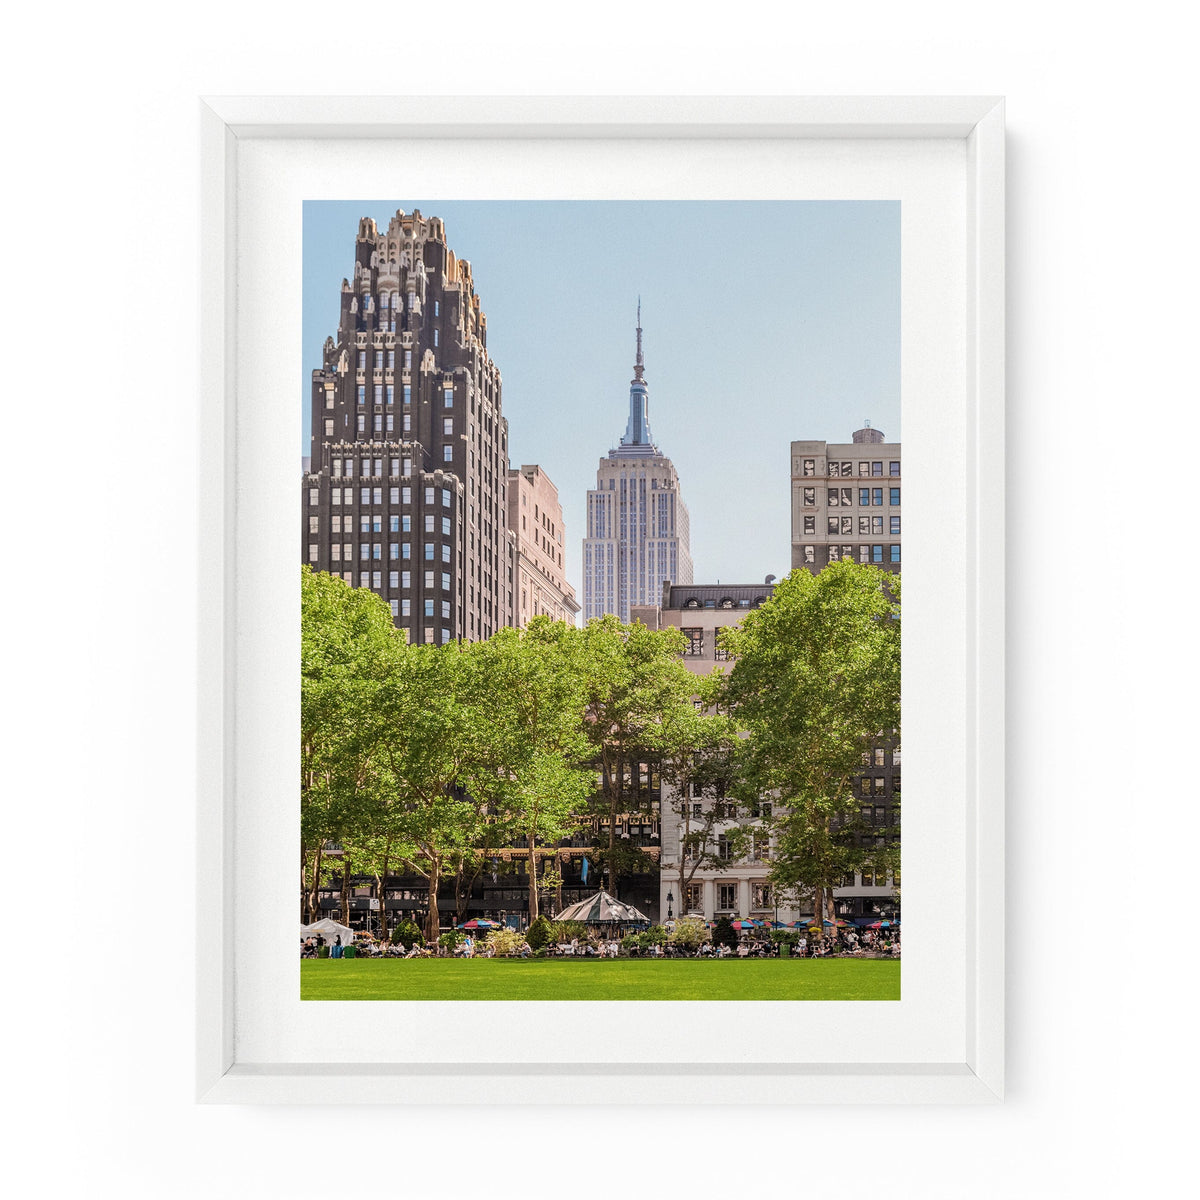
[849, 942]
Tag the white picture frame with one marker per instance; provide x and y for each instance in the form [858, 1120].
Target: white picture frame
[231, 1011]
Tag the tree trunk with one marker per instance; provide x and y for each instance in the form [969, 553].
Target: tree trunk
[533, 880]
[345, 887]
[313, 911]
[382, 882]
[433, 921]
[305, 919]
[819, 911]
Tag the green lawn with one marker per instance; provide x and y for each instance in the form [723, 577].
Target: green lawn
[599, 979]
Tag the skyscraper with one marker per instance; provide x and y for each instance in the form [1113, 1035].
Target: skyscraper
[637, 523]
[406, 489]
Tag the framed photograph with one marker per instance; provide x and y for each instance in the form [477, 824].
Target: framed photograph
[741, 204]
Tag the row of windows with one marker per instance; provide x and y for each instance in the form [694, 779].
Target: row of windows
[845, 525]
[367, 495]
[373, 523]
[382, 423]
[397, 551]
[866, 554]
[809, 467]
[844, 497]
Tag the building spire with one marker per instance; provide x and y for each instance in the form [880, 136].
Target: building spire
[639, 366]
[637, 431]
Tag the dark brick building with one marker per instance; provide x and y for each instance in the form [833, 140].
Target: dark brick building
[405, 489]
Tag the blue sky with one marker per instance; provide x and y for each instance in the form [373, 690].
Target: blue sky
[763, 322]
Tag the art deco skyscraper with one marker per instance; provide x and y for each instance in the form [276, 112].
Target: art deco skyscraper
[405, 491]
[637, 524]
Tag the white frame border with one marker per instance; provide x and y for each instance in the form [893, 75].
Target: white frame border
[976, 121]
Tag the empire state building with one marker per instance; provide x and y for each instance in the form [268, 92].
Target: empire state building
[637, 523]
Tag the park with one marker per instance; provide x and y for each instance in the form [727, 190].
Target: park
[599, 979]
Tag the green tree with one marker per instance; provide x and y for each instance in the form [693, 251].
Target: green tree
[697, 774]
[689, 933]
[530, 766]
[347, 646]
[815, 682]
[424, 729]
[635, 685]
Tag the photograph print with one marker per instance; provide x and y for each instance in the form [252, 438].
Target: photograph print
[600, 566]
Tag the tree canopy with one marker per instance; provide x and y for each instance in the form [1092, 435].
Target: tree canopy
[815, 684]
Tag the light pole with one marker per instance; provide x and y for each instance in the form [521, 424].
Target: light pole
[670, 902]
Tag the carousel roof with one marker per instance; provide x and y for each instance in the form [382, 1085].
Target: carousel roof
[602, 909]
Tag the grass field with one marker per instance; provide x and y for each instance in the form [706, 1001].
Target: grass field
[599, 979]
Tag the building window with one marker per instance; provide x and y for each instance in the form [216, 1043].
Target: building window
[695, 643]
[445, 554]
[877, 468]
[445, 497]
[894, 554]
[894, 496]
[407, 391]
[407, 471]
[447, 453]
[810, 497]
[428, 551]
[877, 554]
[362, 423]
[393, 578]
[808, 467]
[894, 526]
[313, 552]
[429, 608]
[810, 555]
[445, 610]
[393, 550]
[727, 897]
[445, 581]
[362, 394]
[864, 468]
[405, 607]
[394, 605]
[314, 496]
[761, 895]
[406, 550]
[445, 526]
[329, 427]
[810, 526]
[893, 468]
[447, 426]
[406, 523]
[406, 579]
[429, 522]
[448, 397]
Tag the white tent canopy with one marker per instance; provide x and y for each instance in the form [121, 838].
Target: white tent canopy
[328, 930]
[603, 909]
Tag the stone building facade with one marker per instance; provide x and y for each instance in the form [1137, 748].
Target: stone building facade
[535, 523]
[405, 490]
[846, 501]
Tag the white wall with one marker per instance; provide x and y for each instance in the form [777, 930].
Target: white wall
[102, 184]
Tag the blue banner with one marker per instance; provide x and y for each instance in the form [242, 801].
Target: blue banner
[584, 872]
